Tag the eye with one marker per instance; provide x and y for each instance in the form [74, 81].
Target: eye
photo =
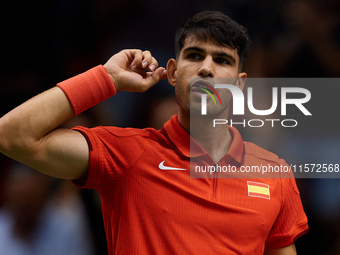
[222, 61]
[194, 56]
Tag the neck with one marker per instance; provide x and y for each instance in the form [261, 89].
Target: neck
[214, 140]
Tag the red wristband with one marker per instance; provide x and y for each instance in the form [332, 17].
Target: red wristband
[88, 89]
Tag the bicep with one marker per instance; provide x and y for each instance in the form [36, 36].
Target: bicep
[62, 153]
[289, 250]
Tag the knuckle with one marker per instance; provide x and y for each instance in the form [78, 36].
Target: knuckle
[154, 60]
[138, 52]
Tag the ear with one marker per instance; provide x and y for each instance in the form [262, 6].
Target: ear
[241, 80]
[171, 68]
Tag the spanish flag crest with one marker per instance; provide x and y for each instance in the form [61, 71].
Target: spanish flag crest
[257, 189]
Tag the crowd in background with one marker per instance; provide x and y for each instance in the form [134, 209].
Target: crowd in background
[48, 41]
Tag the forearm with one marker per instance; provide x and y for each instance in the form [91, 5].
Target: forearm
[28, 133]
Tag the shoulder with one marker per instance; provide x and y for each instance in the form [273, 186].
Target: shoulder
[147, 133]
[129, 135]
[272, 166]
[268, 163]
[256, 152]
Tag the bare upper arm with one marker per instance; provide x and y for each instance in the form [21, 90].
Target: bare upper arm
[289, 250]
[62, 153]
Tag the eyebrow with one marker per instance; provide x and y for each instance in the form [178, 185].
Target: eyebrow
[218, 53]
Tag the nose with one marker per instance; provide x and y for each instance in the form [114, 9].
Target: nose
[207, 68]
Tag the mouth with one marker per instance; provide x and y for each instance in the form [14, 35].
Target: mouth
[200, 87]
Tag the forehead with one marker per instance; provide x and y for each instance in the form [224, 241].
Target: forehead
[210, 46]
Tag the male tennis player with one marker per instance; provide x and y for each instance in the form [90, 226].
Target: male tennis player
[150, 204]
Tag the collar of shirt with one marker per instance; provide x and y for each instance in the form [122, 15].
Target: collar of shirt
[182, 140]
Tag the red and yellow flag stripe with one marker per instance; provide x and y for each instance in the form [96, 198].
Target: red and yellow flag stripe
[257, 189]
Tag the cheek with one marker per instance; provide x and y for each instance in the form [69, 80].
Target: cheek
[186, 70]
[183, 82]
[180, 90]
[182, 76]
[227, 72]
[225, 96]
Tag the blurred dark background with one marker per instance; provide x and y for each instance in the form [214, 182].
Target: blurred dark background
[44, 42]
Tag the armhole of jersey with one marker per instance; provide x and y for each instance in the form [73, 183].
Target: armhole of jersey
[93, 170]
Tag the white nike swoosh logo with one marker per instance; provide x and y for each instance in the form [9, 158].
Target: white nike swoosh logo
[163, 167]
